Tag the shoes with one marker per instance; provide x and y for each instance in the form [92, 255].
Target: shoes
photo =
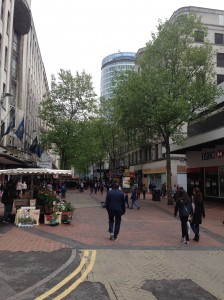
[116, 239]
[131, 207]
[111, 237]
[138, 207]
[6, 222]
[196, 238]
[185, 243]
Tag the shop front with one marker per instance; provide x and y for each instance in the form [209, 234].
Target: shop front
[205, 169]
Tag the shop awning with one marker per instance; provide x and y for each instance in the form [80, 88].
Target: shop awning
[18, 171]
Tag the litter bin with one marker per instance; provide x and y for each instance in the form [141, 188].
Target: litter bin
[156, 195]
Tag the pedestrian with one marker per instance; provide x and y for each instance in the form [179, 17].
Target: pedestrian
[19, 187]
[8, 196]
[24, 188]
[144, 190]
[115, 206]
[134, 199]
[126, 199]
[185, 209]
[63, 190]
[198, 212]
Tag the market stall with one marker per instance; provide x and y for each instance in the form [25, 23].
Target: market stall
[26, 211]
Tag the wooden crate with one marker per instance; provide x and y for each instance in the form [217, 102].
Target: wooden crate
[28, 211]
[21, 202]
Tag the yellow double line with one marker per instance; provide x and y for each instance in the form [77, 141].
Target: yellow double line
[83, 262]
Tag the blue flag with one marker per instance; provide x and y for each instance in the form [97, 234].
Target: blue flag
[20, 130]
[11, 125]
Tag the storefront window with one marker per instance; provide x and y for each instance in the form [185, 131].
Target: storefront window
[221, 181]
[211, 181]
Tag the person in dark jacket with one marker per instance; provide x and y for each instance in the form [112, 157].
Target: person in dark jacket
[199, 212]
[9, 194]
[184, 207]
[115, 205]
[134, 199]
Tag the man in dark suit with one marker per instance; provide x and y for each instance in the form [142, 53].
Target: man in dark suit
[115, 205]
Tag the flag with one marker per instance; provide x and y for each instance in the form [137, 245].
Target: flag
[38, 150]
[34, 145]
[20, 130]
[11, 125]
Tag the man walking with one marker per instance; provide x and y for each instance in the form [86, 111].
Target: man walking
[115, 205]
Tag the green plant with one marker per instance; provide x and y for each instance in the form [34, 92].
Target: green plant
[64, 206]
[25, 220]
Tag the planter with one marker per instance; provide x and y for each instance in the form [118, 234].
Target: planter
[68, 221]
[48, 219]
[54, 223]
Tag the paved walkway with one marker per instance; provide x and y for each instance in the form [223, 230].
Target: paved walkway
[148, 262]
[151, 227]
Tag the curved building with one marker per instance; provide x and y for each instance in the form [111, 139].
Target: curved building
[116, 62]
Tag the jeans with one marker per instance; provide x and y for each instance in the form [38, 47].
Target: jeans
[184, 229]
[8, 211]
[195, 228]
[135, 202]
[114, 223]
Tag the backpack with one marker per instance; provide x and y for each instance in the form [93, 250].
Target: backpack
[4, 197]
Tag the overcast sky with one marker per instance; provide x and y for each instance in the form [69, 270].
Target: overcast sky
[77, 34]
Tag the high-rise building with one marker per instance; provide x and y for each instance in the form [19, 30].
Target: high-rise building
[111, 65]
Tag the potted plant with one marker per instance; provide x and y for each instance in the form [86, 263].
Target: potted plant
[66, 210]
[25, 221]
[52, 219]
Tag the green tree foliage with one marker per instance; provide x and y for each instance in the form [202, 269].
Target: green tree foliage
[175, 84]
[70, 102]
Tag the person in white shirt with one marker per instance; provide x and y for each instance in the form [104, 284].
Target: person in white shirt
[24, 187]
[19, 186]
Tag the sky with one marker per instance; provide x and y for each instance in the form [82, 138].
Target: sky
[76, 35]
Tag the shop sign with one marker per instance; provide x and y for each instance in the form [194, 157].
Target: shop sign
[212, 155]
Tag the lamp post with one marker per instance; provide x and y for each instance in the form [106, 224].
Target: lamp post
[3, 96]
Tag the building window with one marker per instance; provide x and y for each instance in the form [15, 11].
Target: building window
[2, 10]
[8, 23]
[219, 38]
[6, 58]
[220, 59]
[211, 181]
[220, 78]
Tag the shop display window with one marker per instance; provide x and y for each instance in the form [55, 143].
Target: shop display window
[211, 182]
[221, 181]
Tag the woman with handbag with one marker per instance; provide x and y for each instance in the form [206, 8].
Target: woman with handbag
[184, 207]
[198, 212]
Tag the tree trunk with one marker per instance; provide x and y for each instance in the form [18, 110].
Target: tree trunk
[168, 174]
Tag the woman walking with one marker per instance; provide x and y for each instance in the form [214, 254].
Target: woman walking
[199, 212]
[184, 207]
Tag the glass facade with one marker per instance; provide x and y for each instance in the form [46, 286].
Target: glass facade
[114, 64]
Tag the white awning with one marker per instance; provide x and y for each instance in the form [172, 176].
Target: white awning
[19, 171]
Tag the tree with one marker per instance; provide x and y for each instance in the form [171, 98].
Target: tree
[70, 102]
[175, 84]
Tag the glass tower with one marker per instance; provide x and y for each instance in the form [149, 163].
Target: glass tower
[111, 64]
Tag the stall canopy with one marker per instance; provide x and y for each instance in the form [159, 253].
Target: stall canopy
[24, 171]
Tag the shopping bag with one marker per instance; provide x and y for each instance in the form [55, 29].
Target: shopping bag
[188, 227]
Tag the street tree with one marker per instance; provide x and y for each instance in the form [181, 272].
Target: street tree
[70, 101]
[175, 84]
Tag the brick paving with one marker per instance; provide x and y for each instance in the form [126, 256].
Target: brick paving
[152, 226]
[148, 249]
